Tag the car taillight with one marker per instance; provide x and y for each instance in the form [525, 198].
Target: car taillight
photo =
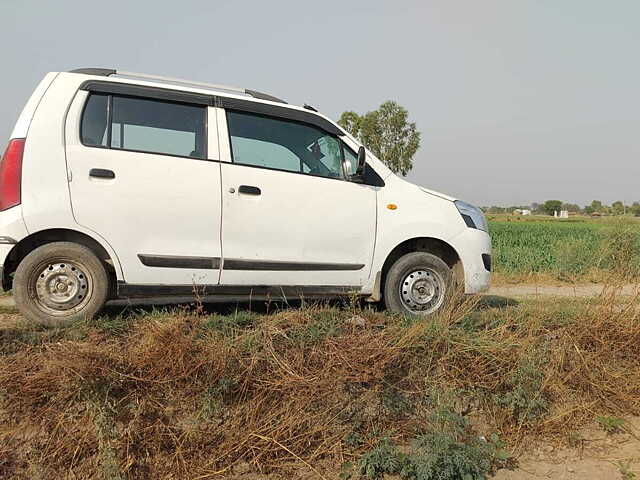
[11, 174]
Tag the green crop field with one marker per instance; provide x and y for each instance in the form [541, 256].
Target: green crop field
[564, 247]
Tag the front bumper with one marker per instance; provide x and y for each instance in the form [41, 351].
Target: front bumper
[472, 245]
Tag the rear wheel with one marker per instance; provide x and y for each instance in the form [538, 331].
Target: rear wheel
[60, 283]
[418, 283]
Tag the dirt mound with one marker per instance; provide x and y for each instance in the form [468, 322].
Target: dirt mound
[315, 390]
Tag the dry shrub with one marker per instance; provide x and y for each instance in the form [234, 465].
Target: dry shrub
[172, 396]
[186, 396]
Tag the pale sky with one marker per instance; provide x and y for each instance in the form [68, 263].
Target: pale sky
[517, 100]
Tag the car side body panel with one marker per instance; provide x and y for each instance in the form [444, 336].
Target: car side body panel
[406, 212]
[57, 195]
[45, 192]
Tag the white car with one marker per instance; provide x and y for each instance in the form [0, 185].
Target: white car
[124, 185]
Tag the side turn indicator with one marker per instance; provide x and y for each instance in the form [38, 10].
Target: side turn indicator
[392, 206]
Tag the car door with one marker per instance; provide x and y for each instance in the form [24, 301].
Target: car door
[141, 178]
[289, 215]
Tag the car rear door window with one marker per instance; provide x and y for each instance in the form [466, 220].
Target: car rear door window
[144, 125]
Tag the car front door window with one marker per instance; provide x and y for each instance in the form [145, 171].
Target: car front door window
[283, 145]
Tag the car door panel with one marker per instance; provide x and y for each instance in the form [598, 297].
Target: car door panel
[301, 230]
[156, 211]
[283, 227]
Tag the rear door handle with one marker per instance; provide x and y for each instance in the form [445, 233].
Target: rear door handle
[249, 190]
[101, 173]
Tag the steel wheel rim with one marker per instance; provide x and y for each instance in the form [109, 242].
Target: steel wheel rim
[61, 287]
[422, 291]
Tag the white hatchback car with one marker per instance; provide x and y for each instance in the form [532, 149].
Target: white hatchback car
[123, 185]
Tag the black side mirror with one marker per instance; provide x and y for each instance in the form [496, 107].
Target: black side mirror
[358, 176]
[362, 161]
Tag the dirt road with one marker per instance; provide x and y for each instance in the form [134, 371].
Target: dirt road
[595, 456]
[590, 290]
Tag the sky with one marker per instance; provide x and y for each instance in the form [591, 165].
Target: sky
[517, 101]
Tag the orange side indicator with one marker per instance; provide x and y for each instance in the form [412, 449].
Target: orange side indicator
[392, 206]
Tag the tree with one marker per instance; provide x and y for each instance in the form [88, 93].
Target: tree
[618, 208]
[351, 121]
[571, 207]
[635, 208]
[551, 206]
[388, 133]
[496, 210]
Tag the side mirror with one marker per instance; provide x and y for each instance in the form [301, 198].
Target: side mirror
[362, 161]
[358, 177]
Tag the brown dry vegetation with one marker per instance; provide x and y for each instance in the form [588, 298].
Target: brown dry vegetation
[182, 395]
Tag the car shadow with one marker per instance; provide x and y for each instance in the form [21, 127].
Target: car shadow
[116, 308]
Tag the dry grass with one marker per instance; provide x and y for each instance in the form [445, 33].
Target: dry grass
[178, 395]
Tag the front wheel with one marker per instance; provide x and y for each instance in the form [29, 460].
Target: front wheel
[418, 283]
[59, 283]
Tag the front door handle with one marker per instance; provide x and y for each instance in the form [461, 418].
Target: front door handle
[249, 190]
[102, 173]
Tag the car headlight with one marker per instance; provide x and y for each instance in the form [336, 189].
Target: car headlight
[472, 216]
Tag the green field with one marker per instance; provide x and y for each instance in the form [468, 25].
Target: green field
[572, 247]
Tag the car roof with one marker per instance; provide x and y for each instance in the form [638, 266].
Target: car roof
[262, 101]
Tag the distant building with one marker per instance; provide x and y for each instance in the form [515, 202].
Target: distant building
[520, 211]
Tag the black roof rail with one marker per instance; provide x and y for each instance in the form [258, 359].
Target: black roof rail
[103, 72]
[263, 96]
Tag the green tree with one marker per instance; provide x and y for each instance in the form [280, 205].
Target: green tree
[495, 209]
[618, 208]
[635, 208]
[571, 207]
[351, 122]
[388, 133]
[596, 206]
[551, 206]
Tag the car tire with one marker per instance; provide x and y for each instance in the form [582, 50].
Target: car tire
[59, 283]
[418, 284]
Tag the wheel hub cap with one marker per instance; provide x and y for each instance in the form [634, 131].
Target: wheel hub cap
[61, 286]
[422, 291]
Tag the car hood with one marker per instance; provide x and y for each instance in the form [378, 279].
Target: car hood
[437, 194]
